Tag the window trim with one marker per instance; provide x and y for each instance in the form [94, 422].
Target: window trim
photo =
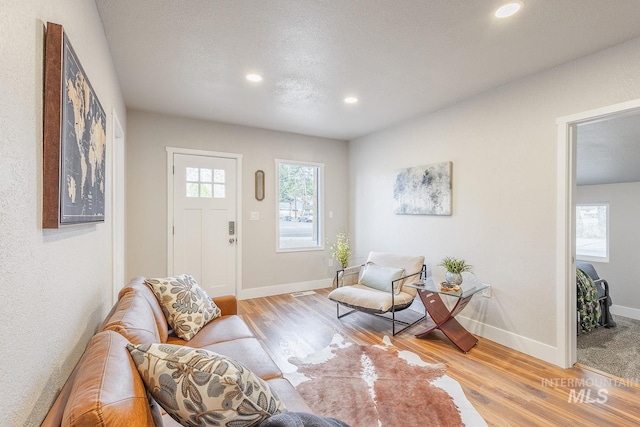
[319, 214]
[593, 258]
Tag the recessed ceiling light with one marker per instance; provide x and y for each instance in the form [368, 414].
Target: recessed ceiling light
[254, 77]
[350, 100]
[508, 10]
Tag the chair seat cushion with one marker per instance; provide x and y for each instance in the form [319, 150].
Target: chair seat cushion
[369, 299]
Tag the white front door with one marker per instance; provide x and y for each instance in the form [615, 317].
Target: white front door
[204, 221]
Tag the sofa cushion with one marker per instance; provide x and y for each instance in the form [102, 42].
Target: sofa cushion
[107, 387]
[197, 386]
[252, 355]
[138, 284]
[133, 319]
[184, 303]
[381, 278]
[225, 328]
[289, 394]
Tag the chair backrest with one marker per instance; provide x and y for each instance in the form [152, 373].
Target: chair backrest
[410, 264]
[589, 269]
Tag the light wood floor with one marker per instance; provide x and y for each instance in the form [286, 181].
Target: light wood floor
[506, 387]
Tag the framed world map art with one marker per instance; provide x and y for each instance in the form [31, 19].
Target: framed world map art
[74, 148]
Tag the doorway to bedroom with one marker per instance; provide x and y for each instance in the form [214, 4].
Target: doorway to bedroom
[607, 205]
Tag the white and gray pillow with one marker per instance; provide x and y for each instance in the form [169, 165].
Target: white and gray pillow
[200, 387]
[184, 303]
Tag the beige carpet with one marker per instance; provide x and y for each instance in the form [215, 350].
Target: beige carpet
[615, 351]
[378, 385]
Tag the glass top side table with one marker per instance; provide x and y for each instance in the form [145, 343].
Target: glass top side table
[442, 317]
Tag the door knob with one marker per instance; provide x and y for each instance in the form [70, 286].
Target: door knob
[232, 240]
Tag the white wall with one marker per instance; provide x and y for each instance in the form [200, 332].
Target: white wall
[56, 284]
[621, 272]
[503, 145]
[148, 135]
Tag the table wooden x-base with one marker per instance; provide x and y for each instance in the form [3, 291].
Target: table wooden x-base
[444, 319]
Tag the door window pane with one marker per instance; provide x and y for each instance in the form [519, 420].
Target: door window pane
[199, 182]
[219, 191]
[192, 174]
[192, 189]
[205, 190]
[205, 175]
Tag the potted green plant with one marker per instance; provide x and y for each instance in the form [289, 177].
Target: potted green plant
[341, 249]
[454, 269]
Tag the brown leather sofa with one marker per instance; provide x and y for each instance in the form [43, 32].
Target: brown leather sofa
[105, 388]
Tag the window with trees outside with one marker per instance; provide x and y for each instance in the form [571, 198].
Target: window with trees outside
[300, 194]
[592, 232]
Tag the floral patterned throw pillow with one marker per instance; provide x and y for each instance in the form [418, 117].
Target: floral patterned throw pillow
[184, 303]
[198, 387]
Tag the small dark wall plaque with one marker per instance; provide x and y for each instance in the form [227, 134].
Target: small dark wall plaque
[260, 185]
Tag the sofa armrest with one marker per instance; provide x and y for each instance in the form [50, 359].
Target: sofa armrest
[54, 416]
[228, 304]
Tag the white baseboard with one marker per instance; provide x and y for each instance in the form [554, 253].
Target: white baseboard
[287, 288]
[632, 313]
[509, 339]
[517, 342]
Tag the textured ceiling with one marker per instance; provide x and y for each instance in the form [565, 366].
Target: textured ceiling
[609, 151]
[402, 58]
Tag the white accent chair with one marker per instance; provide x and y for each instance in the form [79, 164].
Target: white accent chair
[377, 287]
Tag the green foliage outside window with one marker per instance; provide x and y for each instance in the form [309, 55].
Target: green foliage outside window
[296, 186]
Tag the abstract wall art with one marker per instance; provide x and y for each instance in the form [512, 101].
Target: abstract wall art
[423, 190]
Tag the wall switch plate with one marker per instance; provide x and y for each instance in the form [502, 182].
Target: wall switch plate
[330, 263]
[254, 216]
[487, 292]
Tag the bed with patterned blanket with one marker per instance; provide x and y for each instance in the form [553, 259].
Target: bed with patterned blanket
[589, 310]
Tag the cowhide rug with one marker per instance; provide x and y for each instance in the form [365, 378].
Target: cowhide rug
[369, 386]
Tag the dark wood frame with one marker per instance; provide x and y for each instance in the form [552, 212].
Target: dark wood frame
[53, 129]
